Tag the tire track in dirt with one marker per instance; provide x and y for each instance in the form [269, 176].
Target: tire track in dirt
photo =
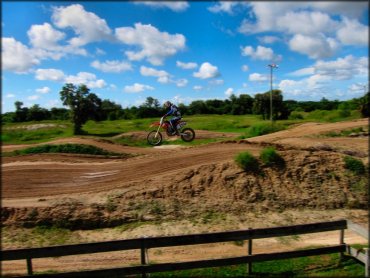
[31, 180]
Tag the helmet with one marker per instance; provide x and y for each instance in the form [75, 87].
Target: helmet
[167, 104]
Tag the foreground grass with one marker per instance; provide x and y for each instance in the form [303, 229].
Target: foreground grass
[315, 266]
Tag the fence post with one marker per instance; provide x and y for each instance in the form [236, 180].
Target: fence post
[341, 241]
[367, 263]
[29, 266]
[144, 256]
[250, 253]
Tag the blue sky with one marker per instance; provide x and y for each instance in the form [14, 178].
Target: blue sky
[183, 51]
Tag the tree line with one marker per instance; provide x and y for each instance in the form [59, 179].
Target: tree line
[84, 105]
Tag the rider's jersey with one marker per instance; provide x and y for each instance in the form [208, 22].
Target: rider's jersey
[174, 111]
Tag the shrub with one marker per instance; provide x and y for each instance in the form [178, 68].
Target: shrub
[269, 156]
[295, 116]
[262, 129]
[354, 165]
[247, 161]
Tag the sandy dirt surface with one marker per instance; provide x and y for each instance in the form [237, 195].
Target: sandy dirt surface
[52, 175]
[48, 179]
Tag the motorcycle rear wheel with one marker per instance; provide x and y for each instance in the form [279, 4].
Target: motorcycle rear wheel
[152, 139]
[187, 134]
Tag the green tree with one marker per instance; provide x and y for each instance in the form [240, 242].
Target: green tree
[241, 105]
[59, 113]
[20, 112]
[262, 105]
[197, 107]
[36, 113]
[150, 108]
[83, 105]
[364, 105]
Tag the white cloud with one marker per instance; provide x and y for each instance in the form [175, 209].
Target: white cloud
[54, 103]
[223, 6]
[49, 74]
[206, 71]
[311, 28]
[45, 36]
[260, 53]
[268, 39]
[34, 97]
[304, 71]
[89, 79]
[245, 68]
[111, 66]
[189, 65]
[217, 82]
[357, 88]
[353, 33]
[306, 23]
[16, 56]
[176, 6]
[10, 95]
[100, 51]
[323, 74]
[316, 47]
[162, 76]
[348, 8]
[275, 16]
[197, 88]
[88, 26]
[229, 92]
[343, 68]
[137, 88]
[43, 90]
[181, 82]
[257, 77]
[155, 46]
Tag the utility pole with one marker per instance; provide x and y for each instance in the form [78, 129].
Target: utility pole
[272, 66]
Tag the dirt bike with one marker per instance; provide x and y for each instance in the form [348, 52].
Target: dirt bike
[155, 137]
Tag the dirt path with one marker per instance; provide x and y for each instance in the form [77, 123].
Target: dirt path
[22, 177]
[42, 180]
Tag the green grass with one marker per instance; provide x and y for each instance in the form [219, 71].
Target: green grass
[331, 116]
[64, 148]
[270, 157]
[247, 161]
[345, 132]
[247, 125]
[315, 266]
[20, 134]
[354, 165]
[259, 129]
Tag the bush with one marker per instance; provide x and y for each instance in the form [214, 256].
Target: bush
[354, 165]
[262, 129]
[269, 156]
[295, 116]
[247, 161]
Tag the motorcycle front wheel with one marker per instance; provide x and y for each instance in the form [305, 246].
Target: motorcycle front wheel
[152, 139]
[187, 134]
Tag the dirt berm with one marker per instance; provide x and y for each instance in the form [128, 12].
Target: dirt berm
[163, 184]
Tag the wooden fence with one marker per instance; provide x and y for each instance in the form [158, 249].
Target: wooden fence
[143, 244]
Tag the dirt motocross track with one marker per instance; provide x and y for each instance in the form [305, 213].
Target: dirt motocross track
[27, 178]
[177, 183]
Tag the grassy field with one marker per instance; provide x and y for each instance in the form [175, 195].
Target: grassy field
[316, 266]
[246, 125]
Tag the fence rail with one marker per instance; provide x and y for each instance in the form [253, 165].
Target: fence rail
[143, 244]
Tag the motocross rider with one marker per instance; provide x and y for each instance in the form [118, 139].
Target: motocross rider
[175, 113]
